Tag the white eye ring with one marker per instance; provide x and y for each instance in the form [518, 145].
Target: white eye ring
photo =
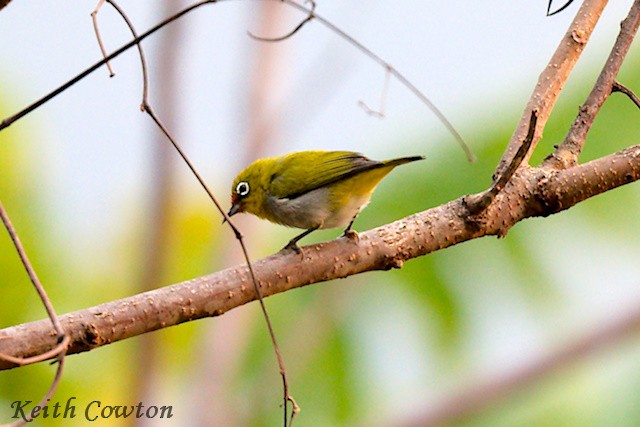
[242, 189]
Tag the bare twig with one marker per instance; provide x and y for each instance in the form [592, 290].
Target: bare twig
[383, 98]
[23, 361]
[290, 33]
[12, 119]
[48, 395]
[59, 350]
[619, 87]
[390, 70]
[479, 202]
[568, 151]
[560, 9]
[399, 76]
[240, 238]
[94, 19]
[31, 272]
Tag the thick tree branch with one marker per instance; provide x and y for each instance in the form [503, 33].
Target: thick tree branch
[531, 192]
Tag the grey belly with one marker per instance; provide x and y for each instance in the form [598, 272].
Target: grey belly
[310, 210]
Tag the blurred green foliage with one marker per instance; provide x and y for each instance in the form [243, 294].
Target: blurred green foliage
[375, 347]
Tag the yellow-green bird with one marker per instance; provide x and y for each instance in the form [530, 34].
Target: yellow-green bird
[310, 189]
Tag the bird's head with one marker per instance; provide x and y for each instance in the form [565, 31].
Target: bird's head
[249, 190]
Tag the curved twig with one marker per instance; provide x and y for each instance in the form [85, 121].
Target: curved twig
[619, 87]
[60, 349]
[94, 19]
[549, 13]
[399, 76]
[479, 202]
[12, 119]
[383, 98]
[290, 33]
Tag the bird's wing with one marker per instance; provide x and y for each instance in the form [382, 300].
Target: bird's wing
[296, 175]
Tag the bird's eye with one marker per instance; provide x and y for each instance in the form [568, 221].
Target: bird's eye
[242, 189]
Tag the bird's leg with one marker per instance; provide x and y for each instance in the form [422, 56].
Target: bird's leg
[349, 232]
[293, 243]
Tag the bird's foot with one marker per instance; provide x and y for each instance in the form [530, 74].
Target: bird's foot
[352, 235]
[293, 246]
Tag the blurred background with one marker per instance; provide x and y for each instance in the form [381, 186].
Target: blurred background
[105, 210]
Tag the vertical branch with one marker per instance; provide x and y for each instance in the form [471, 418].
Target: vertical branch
[96, 29]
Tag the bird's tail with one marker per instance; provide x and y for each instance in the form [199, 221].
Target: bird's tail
[402, 161]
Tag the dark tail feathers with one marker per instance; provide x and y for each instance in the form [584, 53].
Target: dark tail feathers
[402, 160]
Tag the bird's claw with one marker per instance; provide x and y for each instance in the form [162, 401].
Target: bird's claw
[352, 235]
[292, 246]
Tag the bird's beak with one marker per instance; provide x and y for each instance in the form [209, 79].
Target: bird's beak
[234, 210]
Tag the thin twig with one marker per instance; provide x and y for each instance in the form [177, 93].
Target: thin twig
[383, 98]
[240, 238]
[143, 60]
[22, 361]
[63, 341]
[619, 87]
[479, 202]
[290, 33]
[30, 271]
[94, 19]
[399, 76]
[12, 119]
[549, 13]
[48, 395]
[146, 107]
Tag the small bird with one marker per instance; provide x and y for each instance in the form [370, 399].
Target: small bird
[310, 189]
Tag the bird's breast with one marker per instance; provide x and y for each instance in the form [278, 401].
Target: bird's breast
[309, 210]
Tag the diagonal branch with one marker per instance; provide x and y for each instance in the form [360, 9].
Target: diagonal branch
[532, 192]
[553, 77]
[567, 153]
